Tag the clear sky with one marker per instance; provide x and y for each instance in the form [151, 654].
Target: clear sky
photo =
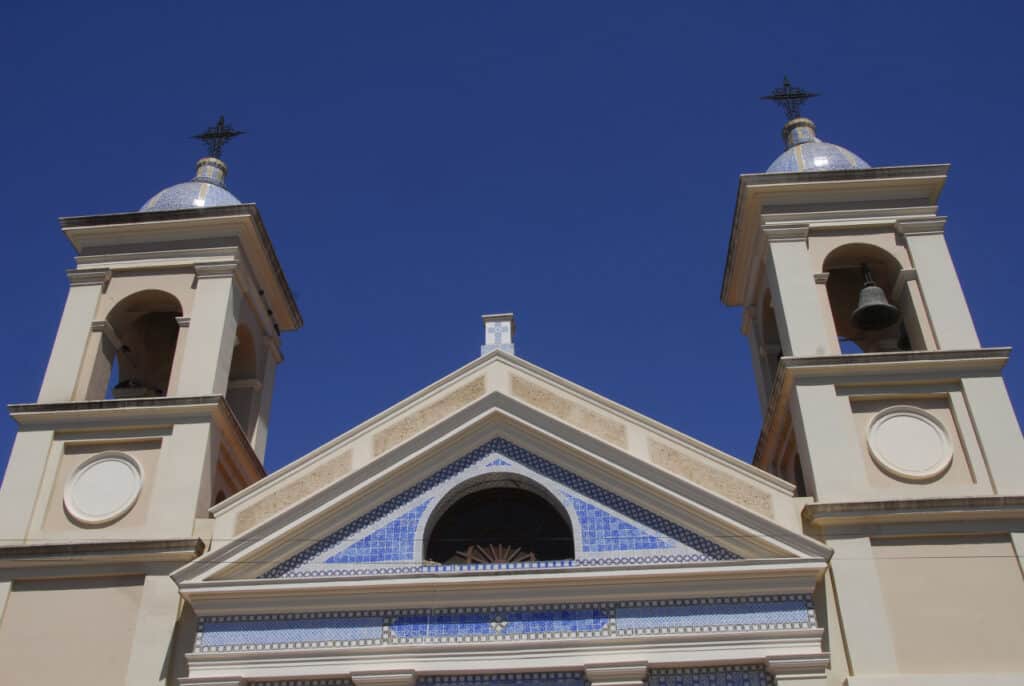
[419, 164]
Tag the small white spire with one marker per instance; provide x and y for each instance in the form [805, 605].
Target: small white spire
[498, 331]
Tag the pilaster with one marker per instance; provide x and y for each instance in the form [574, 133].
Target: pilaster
[260, 429]
[997, 430]
[801, 670]
[621, 674]
[791, 280]
[862, 607]
[943, 296]
[829, 442]
[154, 631]
[397, 678]
[22, 483]
[72, 334]
[211, 336]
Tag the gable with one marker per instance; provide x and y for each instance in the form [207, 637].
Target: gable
[607, 528]
[520, 389]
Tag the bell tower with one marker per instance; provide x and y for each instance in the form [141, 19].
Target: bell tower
[154, 406]
[879, 402]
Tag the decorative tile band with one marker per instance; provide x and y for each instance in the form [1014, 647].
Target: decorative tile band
[735, 675]
[506, 623]
[610, 527]
[530, 679]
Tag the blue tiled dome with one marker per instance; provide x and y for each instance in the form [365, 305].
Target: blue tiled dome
[205, 190]
[806, 152]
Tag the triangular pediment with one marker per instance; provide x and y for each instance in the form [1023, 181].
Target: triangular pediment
[606, 527]
[636, 492]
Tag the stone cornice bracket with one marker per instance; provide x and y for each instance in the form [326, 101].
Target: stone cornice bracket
[384, 678]
[917, 227]
[784, 233]
[799, 667]
[216, 270]
[89, 277]
[623, 674]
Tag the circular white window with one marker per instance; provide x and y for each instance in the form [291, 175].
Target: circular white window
[103, 488]
[909, 443]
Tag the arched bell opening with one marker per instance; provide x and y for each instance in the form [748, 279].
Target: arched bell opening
[141, 351]
[498, 519]
[244, 384]
[867, 315]
[770, 341]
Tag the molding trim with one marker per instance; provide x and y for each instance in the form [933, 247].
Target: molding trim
[920, 227]
[216, 270]
[783, 233]
[933, 510]
[89, 277]
[821, 278]
[104, 327]
[617, 673]
[76, 559]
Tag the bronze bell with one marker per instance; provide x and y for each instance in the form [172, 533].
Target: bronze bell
[873, 312]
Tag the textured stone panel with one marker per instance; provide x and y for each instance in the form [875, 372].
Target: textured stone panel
[419, 420]
[321, 476]
[570, 412]
[703, 474]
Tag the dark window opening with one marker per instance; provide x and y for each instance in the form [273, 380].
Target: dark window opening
[500, 525]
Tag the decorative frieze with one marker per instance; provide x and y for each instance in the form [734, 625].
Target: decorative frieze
[613, 620]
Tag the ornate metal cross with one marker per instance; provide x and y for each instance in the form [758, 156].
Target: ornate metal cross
[216, 136]
[790, 98]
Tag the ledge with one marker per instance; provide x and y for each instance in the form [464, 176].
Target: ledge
[828, 515]
[68, 559]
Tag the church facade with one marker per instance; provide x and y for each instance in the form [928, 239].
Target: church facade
[505, 525]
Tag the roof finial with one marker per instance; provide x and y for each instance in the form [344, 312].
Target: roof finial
[790, 98]
[216, 136]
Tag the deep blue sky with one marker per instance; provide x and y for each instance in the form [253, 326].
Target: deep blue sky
[421, 163]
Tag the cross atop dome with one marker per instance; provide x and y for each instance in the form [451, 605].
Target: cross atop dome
[790, 98]
[217, 136]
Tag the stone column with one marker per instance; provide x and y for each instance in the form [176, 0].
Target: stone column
[943, 297]
[622, 674]
[794, 293]
[73, 334]
[210, 343]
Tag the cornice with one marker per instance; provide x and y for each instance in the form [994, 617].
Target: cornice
[73, 559]
[733, 578]
[935, 510]
[241, 223]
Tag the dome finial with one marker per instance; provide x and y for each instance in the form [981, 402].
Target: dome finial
[216, 136]
[790, 98]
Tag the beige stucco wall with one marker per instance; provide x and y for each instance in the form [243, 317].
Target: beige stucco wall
[69, 631]
[954, 604]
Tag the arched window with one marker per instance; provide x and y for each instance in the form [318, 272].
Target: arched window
[500, 523]
[146, 328]
[243, 380]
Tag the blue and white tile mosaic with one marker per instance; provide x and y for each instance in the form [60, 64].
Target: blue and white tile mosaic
[735, 675]
[611, 530]
[505, 623]
[531, 679]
